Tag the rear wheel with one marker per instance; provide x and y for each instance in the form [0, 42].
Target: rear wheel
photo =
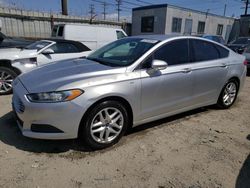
[228, 94]
[6, 78]
[104, 125]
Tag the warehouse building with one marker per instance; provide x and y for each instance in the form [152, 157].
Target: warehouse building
[165, 19]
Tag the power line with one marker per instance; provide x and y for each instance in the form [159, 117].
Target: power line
[119, 2]
[104, 4]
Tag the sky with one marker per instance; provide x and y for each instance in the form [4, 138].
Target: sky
[82, 7]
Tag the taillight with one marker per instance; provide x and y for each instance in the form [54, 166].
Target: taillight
[245, 62]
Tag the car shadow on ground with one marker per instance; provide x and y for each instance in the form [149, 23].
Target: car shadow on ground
[11, 135]
[243, 179]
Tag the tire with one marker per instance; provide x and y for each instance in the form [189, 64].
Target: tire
[7, 76]
[228, 96]
[99, 130]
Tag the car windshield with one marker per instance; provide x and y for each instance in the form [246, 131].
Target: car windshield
[241, 41]
[123, 52]
[38, 45]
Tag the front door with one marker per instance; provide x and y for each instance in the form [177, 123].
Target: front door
[168, 90]
[188, 26]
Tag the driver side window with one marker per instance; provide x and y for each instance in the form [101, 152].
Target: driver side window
[174, 52]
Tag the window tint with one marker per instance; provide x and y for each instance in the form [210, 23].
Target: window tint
[147, 24]
[60, 31]
[175, 52]
[222, 51]
[176, 25]
[64, 48]
[203, 51]
[120, 34]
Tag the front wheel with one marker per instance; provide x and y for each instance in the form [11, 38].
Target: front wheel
[228, 94]
[104, 125]
[6, 78]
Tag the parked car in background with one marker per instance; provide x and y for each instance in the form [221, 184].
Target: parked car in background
[216, 38]
[92, 36]
[15, 61]
[9, 42]
[239, 44]
[131, 81]
[246, 53]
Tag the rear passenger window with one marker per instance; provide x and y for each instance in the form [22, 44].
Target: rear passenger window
[173, 53]
[222, 51]
[203, 51]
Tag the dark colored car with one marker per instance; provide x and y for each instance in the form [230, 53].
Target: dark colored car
[9, 42]
[239, 45]
[216, 38]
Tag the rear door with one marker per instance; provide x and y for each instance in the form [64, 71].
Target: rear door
[209, 70]
[168, 90]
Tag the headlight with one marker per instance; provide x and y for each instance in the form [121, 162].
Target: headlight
[56, 96]
[27, 61]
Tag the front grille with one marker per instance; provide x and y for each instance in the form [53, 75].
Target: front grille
[18, 105]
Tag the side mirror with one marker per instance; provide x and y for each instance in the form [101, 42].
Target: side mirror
[48, 51]
[159, 65]
[1, 39]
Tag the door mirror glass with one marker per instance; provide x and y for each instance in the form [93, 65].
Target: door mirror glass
[48, 51]
[159, 65]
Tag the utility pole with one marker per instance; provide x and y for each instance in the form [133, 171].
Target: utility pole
[246, 8]
[104, 4]
[64, 7]
[225, 9]
[104, 10]
[92, 13]
[119, 2]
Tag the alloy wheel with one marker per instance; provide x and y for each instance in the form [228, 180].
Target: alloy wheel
[229, 93]
[107, 125]
[6, 80]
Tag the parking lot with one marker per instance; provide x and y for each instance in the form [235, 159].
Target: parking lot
[202, 148]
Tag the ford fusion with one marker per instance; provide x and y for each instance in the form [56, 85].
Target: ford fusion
[126, 83]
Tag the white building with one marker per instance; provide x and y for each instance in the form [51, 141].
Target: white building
[165, 19]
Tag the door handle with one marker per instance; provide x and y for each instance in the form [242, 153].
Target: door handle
[186, 70]
[223, 65]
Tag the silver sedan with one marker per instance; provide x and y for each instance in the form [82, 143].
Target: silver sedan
[129, 82]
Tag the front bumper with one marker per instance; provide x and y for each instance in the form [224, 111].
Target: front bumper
[64, 117]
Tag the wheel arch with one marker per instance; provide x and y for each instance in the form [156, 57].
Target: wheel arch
[110, 98]
[236, 79]
[7, 63]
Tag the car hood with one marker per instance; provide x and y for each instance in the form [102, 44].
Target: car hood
[15, 53]
[57, 75]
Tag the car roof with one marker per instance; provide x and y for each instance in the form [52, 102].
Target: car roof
[169, 36]
[157, 37]
[79, 45]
